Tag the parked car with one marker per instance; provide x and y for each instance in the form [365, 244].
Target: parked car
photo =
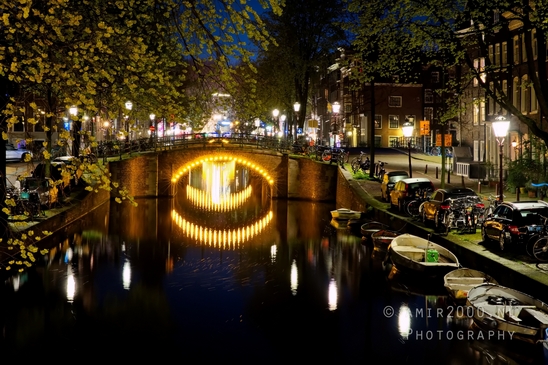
[15, 154]
[389, 180]
[404, 190]
[440, 201]
[509, 222]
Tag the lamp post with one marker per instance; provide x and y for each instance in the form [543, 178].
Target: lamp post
[296, 108]
[275, 114]
[282, 125]
[152, 127]
[407, 129]
[129, 106]
[500, 128]
[336, 108]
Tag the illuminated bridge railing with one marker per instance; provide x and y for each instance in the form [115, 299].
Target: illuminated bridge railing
[120, 147]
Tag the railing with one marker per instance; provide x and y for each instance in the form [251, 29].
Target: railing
[463, 169]
[114, 148]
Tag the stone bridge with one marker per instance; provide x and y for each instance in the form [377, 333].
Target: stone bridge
[156, 174]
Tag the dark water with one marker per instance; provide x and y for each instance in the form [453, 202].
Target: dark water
[249, 280]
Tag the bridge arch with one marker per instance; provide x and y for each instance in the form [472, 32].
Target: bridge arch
[155, 174]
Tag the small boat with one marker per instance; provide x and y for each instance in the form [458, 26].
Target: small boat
[345, 214]
[354, 225]
[367, 229]
[338, 224]
[459, 282]
[416, 255]
[515, 315]
[382, 239]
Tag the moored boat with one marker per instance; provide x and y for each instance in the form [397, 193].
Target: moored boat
[345, 214]
[382, 238]
[459, 282]
[367, 229]
[516, 315]
[416, 255]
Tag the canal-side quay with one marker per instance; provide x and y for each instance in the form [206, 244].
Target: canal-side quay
[511, 268]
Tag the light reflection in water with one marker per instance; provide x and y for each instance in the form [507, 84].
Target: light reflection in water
[273, 250]
[71, 285]
[226, 202]
[294, 278]
[404, 321]
[332, 295]
[226, 238]
[126, 274]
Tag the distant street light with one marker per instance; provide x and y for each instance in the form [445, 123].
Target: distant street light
[296, 108]
[152, 127]
[407, 129]
[275, 114]
[500, 128]
[73, 110]
[129, 106]
[336, 108]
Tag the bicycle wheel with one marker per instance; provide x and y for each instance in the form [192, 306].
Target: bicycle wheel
[540, 249]
[413, 208]
[355, 164]
[326, 155]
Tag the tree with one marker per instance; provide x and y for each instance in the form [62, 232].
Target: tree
[305, 36]
[97, 54]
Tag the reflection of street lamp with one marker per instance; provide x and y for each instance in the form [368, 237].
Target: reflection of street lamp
[336, 108]
[407, 129]
[500, 128]
[296, 108]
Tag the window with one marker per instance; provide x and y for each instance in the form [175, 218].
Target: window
[394, 101]
[482, 111]
[475, 112]
[516, 49]
[505, 91]
[378, 141]
[428, 96]
[515, 98]
[524, 94]
[393, 141]
[393, 121]
[476, 151]
[504, 56]
[496, 17]
[497, 54]
[428, 113]
[491, 99]
[435, 77]
[479, 65]
[378, 121]
[491, 53]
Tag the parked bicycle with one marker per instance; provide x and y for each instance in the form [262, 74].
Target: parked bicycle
[360, 162]
[494, 202]
[413, 207]
[380, 170]
[337, 155]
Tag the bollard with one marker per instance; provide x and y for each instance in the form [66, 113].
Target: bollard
[449, 177]
[517, 194]
[436, 172]
[425, 169]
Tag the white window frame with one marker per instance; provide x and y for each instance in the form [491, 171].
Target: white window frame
[378, 121]
[428, 113]
[435, 77]
[393, 118]
[394, 101]
[428, 96]
[504, 54]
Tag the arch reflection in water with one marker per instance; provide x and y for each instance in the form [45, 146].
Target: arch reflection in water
[231, 238]
[229, 201]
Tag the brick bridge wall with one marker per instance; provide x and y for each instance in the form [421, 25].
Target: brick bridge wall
[150, 174]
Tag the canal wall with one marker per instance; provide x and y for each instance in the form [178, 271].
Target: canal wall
[505, 267]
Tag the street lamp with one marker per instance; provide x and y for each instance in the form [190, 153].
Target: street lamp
[152, 127]
[500, 128]
[407, 129]
[336, 108]
[282, 124]
[73, 110]
[129, 106]
[275, 114]
[296, 108]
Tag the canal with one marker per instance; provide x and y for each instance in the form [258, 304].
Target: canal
[222, 273]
